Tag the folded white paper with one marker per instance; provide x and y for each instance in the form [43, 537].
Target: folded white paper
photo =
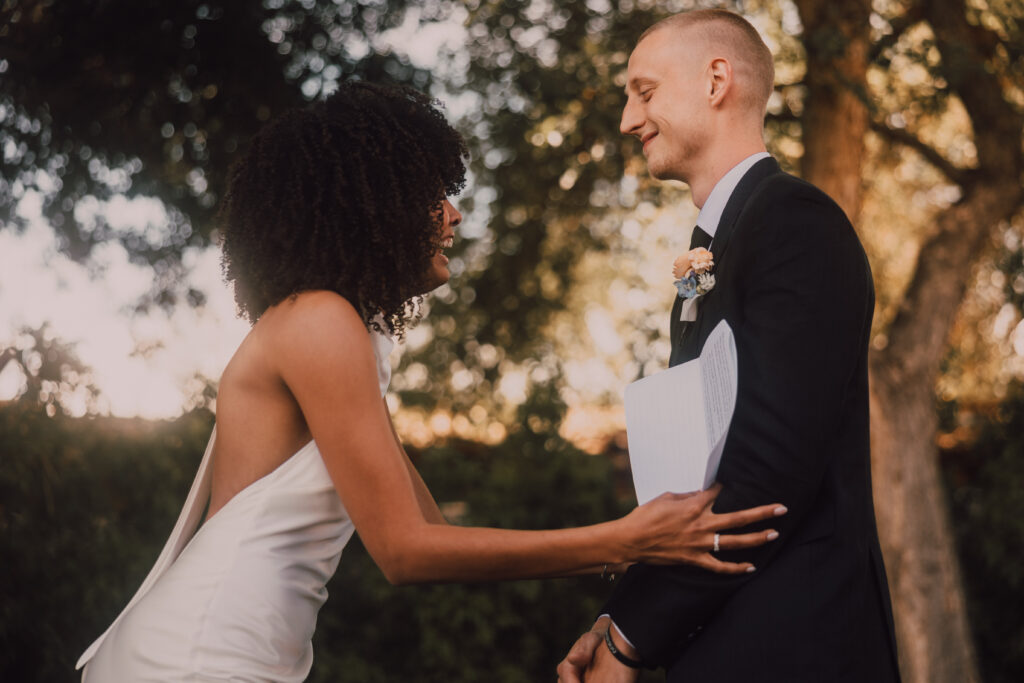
[677, 420]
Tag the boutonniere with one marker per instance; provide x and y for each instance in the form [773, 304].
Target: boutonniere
[694, 279]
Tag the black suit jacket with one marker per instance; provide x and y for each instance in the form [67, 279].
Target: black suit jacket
[793, 282]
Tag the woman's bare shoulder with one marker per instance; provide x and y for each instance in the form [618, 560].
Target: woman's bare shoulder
[317, 311]
[316, 326]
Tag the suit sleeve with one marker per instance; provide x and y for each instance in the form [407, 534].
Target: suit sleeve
[806, 301]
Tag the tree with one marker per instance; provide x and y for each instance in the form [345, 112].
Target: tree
[148, 98]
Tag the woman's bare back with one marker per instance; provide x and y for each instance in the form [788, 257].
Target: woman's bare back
[259, 423]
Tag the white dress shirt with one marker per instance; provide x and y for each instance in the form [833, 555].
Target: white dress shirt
[711, 213]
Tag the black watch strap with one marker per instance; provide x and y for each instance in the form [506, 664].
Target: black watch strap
[631, 663]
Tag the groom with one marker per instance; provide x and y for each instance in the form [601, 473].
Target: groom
[794, 284]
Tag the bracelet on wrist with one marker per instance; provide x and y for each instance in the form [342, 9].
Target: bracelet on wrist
[628, 661]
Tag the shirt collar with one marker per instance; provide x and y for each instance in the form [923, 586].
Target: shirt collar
[711, 213]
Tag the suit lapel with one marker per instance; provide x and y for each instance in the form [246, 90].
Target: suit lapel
[734, 207]
[682, 332]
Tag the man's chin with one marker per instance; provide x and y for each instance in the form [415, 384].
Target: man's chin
[665, 172]
[660, 170]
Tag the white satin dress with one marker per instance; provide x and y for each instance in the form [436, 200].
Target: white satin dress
[236, 600]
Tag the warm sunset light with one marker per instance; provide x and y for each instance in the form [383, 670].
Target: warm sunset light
[144, 364]
[706, 347]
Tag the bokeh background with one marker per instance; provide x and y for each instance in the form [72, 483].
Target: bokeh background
[119, 119]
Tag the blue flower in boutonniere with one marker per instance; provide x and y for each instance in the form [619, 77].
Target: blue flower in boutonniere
[694, 279]
[692, 272]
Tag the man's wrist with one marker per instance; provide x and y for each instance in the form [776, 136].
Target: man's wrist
[620, 641]
[604, 622]
[622, 658]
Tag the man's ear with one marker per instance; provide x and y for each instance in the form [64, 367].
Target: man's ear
[719, 80]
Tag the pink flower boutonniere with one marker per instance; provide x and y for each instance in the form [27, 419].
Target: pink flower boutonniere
[694, 279]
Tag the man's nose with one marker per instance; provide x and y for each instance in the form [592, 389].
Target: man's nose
[632, 118]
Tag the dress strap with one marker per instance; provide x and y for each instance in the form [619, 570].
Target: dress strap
[382, 347]
[184, 529]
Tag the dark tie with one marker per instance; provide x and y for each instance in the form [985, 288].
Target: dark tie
[699, 238]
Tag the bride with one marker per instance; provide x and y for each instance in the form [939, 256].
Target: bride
[335, 220]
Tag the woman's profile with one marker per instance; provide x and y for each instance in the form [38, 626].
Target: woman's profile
[336, 218]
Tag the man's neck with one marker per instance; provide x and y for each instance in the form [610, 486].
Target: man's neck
[717, 163]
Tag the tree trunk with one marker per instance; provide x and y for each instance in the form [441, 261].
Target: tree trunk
[835, 117]
[931, 619]
[932, 630]
[931, 623]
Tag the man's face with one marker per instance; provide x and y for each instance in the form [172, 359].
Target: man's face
[667, 106]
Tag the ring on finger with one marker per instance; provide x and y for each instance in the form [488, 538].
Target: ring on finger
[716, 546]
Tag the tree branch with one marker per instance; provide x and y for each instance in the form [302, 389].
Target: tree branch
[899, 25]
[786, 113]
[960, 176]
[965, 64]
[8, 356]
[784, 116]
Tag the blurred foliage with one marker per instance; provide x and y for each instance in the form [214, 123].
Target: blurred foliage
[51, 373]
[567, 202]
[86, 504]
[547, 162]
[985, 478]
[987, 351]
[150, 98]
[924, 159]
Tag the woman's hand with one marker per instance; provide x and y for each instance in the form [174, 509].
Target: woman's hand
[680, 528]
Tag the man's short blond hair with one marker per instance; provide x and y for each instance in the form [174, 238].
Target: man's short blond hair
[751, 59]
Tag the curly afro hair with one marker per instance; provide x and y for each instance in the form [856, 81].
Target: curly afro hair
[344, 196]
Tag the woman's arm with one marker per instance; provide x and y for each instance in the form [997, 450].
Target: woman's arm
[428, 506]
[326, 360]
[431, 512]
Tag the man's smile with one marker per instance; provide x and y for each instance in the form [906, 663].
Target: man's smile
[647, 138]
